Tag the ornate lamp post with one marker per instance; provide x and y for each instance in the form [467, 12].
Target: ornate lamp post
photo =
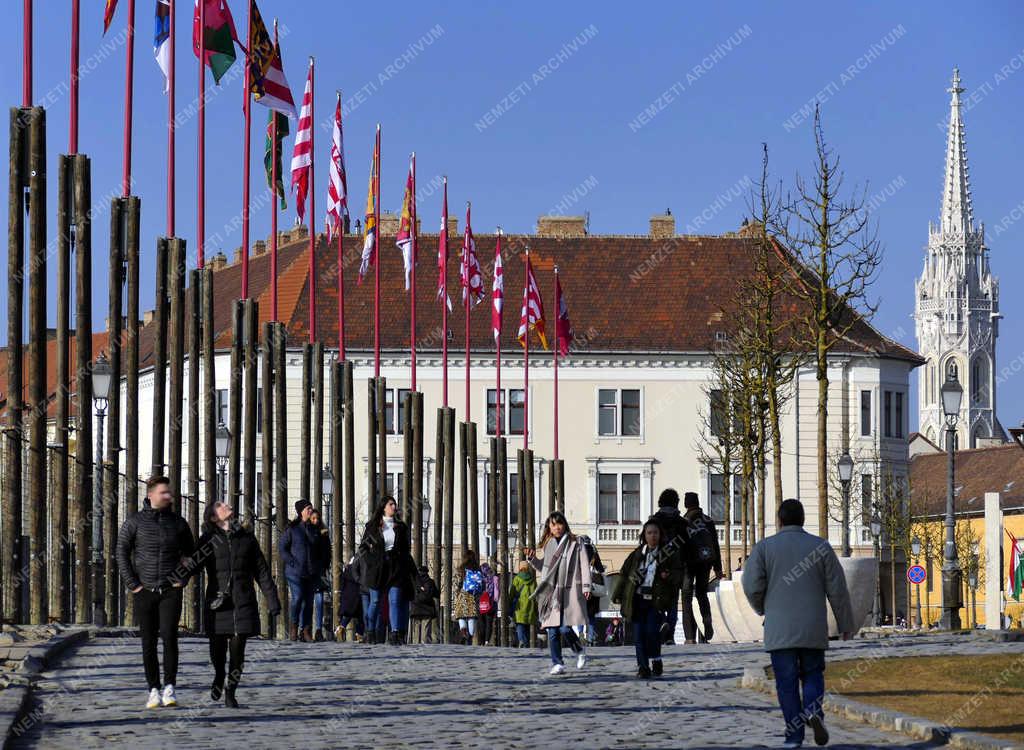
[952, 578]
[222, 446]
[425, 516]
[845, 475]
[327, 493]
[102, 374]
[876, 534]
[915, 550]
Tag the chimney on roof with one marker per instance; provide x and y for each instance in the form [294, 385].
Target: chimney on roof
[562, 226]
[663, 226]
[218, 261]
[237, 257]
[750, 228]
[389, 224]
[148, 316]
[259, 247]
[453, 226]
[299, 232]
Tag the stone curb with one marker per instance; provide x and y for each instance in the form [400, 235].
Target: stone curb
[15, 697]
[756, 678]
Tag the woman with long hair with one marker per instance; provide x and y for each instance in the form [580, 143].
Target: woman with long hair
[563, 590]
[322, 555]
[388, 570]
[231, 556]
[468, 584]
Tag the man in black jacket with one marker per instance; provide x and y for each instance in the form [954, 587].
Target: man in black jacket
[152, 547]
[702, 556]
[674, 528]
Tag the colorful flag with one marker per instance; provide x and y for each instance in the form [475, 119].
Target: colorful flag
[442, 252]
[532, 315]
[406, 229]
[272, 154]
[220, 36]
[302, 155]
[266, 73]
[370, 220]
[563, 326]
[108, 14]
[470, 274]
[337, 184]
[1015, 574]
[497, 291]
[162, 40]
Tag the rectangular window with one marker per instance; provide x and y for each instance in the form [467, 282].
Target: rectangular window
[492, 411]
[618, 412]
[737, 501]
[630, 412]
[717, 505]
[222, 406]
[393, 486]
[516, 411]
[607, 498]
[631, 498]
[259, 411]
[899, 414]
[866, 499]
[513, 409]
[865, 413]
[719, 414]
[389, 411]
[606, 412]
[887, 416]
[513, 500]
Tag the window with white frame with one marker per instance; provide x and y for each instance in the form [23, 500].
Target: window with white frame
[511, 495]
[618, 412]
[618, 498]
[513, 411]
[718, 499]
[393, 486]
[222, 406]
[392, 417]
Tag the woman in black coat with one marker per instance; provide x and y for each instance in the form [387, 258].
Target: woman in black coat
[388, 570]
[231, 557]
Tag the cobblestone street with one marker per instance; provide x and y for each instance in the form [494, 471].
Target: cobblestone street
[343, 695]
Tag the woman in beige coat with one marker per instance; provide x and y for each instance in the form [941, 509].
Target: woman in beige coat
[563, 589]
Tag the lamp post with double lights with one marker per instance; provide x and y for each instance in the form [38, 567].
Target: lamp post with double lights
[102, 375]
[845, 475]
[876, 535]
[915, 551]
[222, 441]
[952, 578]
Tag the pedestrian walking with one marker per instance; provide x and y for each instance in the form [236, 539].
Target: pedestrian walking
[674, 528]
[388, 571]
[469, 585]
[351, 609]
[489, 602]
[151, 546]
[788, 579]
[322, 585]
[645, 589]
[597, 588]
[524, 606]
[231, 557]
[298, 547]
[563, 589]
[703, 556]
[424, 607]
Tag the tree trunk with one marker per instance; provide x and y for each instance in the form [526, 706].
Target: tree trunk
[822, 376]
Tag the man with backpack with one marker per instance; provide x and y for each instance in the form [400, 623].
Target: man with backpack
[702, 556]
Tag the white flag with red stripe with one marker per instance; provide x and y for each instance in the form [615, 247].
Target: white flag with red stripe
[471, 275]
[337, 184]
[532, 315]
[302, 156]
[442, 252]
[497, 291]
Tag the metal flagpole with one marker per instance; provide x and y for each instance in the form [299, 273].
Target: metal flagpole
[558, 298]
[526, 361]
[246, 146]
[273, 203]
[412, 273]
[312, 209]
[466, 270]
[26, 65]
[170, 122]
[126, 175]
[497, 340]
[341, 281]
[201, 167]
[376, 265]
[73, 98]
[444, 298]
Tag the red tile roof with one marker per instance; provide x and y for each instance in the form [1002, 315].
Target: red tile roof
[977, 471]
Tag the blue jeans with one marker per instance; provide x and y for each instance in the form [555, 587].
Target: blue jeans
[796, 667]
[301, 601]
[646, 631]
[398, 609]
[318, 610]
[522, 633]
[555, 642]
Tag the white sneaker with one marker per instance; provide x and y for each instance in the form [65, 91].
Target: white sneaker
[581, 659]
[557, 669]
[168, 699]
[154, 698]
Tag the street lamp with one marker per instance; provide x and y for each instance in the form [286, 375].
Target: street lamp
[327, 492]
[876, 535]
[952, 394]
[102, 374]
[425, 523]
[222, 444]
[845, 475]
[915, 550]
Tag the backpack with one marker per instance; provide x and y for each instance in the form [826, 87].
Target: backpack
[473, 582]
[485, 603]
[701, 541]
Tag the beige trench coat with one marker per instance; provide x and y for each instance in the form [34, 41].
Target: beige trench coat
[564, 578]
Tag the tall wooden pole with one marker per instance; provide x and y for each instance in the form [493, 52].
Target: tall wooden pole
[463, 488]
[408, 438]
[439, 509]
[131, 359]
[318, 425]
[531, 498]
[337, 374]
[522, 513]
[281, 461]
[235, 406]
[176, 359]
[382, 437]
[449, 519]
[305, 424]
[266, 500]
[417, 477]
[115, 281]
[350, 460]
[249, 422]
[505, 559]
[160, 339]
[371, 447]
[60, 585]
[195, 344]
[474, 495]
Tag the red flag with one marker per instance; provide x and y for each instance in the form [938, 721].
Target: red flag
[563, 326]
[337, 184]
[471, 275]
[108, 14]
[497, 291]
[442, 252]
[302, 154]
[532, 315]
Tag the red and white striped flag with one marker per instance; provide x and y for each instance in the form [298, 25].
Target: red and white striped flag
[405, 228]
[269, 85]
[442, 252]
[563, 326]
[302, 156]
[497, 291]
[471, 275]
[532, 315]
[337, 183]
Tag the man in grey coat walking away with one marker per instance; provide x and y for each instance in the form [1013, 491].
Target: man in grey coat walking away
[787, 578]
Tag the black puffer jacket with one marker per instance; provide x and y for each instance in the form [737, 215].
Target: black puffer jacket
[233, 562]
[151, 547]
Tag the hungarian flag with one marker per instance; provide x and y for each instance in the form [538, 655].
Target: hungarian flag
[471, 275]
[563, 326]
[497, 291]
[302, 156]
[272, 154]
[532, 315]
[1015, 574]
[219, 36]
[404, 240]
[108, 14]
[370, 220]
[442, 252]
[337, 183]
[266, 74]
[162, 40]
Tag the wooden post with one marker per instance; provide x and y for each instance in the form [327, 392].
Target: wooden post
[60, 585]
[505, 559]
[265, 510]
[305, 424]
[316, 489]
[161, 326]
[522, 515]
[281, 463]
[209, 390]
[195, 337]
[463, 490]
[531, 498]
[109, 465]
[382, 437]
[449, 519]
[83, 365]
[417, 478]
[474, 491]
[234, 469]
[249, 422]
[176, 336]
[337, 561]
[438, 514]
[131, 364]
[37, 486]
[408, 499]
[371, 446]
[350, 460]
[558, 479]
[492, 519]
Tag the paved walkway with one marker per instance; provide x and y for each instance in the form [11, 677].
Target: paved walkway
[352, 696]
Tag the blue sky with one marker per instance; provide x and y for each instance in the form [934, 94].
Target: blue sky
[534, 107]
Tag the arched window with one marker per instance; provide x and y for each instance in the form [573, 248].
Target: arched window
[952, 371]
[979, 381]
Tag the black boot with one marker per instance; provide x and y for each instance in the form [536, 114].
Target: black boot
[217, 689]
[403, 637]
[229, 697]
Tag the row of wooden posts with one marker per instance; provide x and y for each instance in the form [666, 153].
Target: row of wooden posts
[57, 563]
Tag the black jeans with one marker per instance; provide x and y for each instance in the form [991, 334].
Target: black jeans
[220, 645]
[157, 615]
[695, 581]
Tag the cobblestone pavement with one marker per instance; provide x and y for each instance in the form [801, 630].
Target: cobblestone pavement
[353, 696]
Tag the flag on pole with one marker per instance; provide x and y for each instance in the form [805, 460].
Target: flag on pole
[405, 227]
[266, 74]
[108, 14]
[563, 326]
[532, 315]
[337, 184]
[442, 252]
[370, 220]
[470, 274]
[302, 153]
[162, 40]
[272, 154]
[1015, 573]
[220, 36]
[497, 291]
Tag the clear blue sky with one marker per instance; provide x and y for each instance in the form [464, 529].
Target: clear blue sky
[570, 135]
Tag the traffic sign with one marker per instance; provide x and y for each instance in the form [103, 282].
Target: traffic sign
[916, 574]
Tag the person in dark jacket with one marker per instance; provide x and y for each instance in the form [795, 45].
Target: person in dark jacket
[351, 609]
[151, 547]
[231, 557]
[388, 570]
[673, 526]
[702, 556]
[424, 607]
[298, 551]
[322, 550]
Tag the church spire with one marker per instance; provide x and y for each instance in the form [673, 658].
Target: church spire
[957, 212]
